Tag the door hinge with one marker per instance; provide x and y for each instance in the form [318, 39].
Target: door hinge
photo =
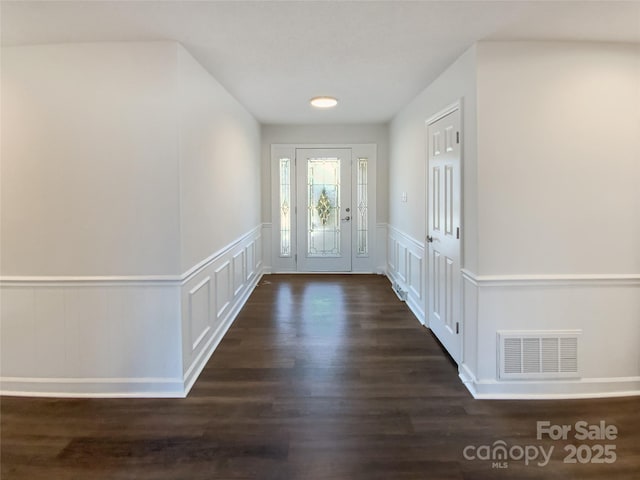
[295, 209]
[457, 137]
[458, 233]
[295, 258]
[457, 328]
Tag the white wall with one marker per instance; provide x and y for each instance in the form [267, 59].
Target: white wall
[219, 148]
[407, 165]
[89, 162]
[559, 154]
[559, 209]
[124, 165]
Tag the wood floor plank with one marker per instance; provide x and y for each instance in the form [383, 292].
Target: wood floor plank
[320, 377]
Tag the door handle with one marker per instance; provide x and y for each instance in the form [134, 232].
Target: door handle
[346, 219]
[429, 239]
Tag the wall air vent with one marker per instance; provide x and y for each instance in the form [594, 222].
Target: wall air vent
[402, 294]
[541, 355]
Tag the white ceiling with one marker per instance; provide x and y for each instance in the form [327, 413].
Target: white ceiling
[273, 56]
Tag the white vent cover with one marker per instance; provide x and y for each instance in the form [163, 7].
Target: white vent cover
[532, 355]
[402, 294]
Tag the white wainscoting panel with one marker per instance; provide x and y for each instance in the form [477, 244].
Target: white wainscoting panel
[86, 339]
[199, 311]
[603, 307]
[239, 277]
[414, 274]
[405, 266]
[235, 271]
[223, 288]
[250, 256]
[122, 336]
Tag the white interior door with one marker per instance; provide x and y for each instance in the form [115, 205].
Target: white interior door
[324, 210]
[443, 237]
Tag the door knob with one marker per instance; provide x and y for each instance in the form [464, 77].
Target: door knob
[347, 218]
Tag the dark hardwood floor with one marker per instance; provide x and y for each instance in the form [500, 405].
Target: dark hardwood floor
[320, 377]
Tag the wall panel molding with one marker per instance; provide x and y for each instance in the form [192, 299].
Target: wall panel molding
[406, 267]
[199, 311]
[239, 276]
[235, 273]
[223, 287]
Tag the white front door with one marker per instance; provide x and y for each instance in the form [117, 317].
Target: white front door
[443, 233]
[324, 210]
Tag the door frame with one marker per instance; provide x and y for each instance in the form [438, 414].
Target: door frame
[456, 105]
[359, 263]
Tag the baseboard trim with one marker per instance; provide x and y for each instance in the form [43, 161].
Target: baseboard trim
[196, 367]
[549, 390]
[92, 387]
[468, 379]
[296, 272]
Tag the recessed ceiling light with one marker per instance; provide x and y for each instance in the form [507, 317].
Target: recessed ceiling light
[324, 102]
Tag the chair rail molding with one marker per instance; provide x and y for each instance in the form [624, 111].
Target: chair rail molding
[596, 279]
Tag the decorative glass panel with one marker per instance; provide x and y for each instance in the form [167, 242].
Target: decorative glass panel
[362, 221]
[323, 207]
[285, 207]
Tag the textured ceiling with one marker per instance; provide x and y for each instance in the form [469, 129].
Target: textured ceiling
[274, 56]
